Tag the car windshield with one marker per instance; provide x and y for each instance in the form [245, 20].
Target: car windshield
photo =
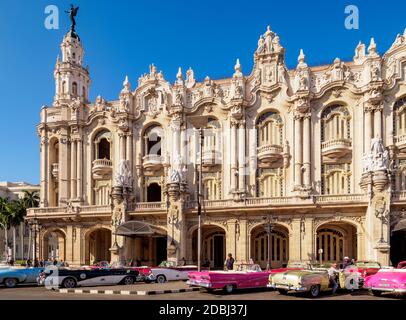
[249, 267]
[167, 264]
[367, 264]
[298, 264]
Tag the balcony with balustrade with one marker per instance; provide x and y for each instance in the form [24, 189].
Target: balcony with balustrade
[336, 148]
[269, 154]
[152, 162]
[210, 157]
[102, 169]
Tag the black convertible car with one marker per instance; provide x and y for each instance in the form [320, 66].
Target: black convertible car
[71, 278]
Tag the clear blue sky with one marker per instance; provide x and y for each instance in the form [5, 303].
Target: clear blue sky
[124, 37]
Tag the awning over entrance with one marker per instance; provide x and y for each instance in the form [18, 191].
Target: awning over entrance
[401, 225]
[138, 228]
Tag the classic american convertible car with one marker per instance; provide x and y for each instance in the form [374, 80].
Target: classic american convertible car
[11, 277]
[312, 281]
[168, 270]
[246, 276]
[387, 280]
[145, 273]
[352, 277]
[70, 278]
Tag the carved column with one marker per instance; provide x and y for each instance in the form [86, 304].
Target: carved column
[122, 145]
[298, 151]
[241, 157]
[129, 148]
[378, 121]
[368, 129]
[233, 161]
[73, 170]
[63, 168]
[307, 150]
[44, 170]
[79, 176]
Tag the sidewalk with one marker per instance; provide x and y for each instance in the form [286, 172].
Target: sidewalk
[136, 289]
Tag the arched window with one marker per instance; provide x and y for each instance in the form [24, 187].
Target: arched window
[332, 243]
[269, 127]
[152, 140]
[211, 189]
[154, 193]
[102, 143]
[270, 183]
[74, 88]
[211, 135]
[64, 87]
[335, 123]
[400, 117]
[84, 92]
[336, 179]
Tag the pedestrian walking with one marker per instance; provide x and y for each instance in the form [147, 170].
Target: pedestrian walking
[229, 262]
[332, 274]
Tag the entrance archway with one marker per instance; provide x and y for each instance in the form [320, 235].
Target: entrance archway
[279, 246]
[213, 246]
[145, 243]
[98, 244]
[54, 243]
[398, 245]
[337, 240]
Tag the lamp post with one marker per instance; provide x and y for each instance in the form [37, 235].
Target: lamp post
[381, 214]
[268, 228]
[199, 122]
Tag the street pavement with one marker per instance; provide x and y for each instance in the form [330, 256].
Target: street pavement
[40, 293]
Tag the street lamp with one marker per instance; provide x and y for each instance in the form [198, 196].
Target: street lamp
[268, 228]
[199, 122]
[381, 214]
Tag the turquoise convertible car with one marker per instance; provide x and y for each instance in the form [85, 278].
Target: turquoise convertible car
[11, 277]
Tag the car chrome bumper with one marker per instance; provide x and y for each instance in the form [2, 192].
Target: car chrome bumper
[387, 289]
[286, 287]
[199, 284]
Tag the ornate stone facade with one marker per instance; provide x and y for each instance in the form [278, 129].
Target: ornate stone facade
[317, 152]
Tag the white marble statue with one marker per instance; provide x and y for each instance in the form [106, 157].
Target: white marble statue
[123, 177]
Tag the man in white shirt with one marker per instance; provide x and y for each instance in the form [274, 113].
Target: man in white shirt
[332, 274]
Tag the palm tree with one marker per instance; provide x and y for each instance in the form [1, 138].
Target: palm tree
[31, 200]
[5, 220]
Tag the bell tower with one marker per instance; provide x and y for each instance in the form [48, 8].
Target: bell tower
[72, 79]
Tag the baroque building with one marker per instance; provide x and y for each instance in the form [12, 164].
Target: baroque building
[318, 153]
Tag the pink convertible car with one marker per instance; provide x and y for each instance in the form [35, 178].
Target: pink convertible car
[246, 276]
[387, 280]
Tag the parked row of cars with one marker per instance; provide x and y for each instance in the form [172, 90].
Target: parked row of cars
[305, 277]
[101, 273]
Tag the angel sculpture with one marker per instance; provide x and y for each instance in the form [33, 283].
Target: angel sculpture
[72, 14]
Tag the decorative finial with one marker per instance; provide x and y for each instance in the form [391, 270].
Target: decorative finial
[126, 83]
[372, 48]
[301, 58]
[179, 75]
[237, 69]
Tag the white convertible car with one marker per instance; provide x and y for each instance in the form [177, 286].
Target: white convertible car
[168, 271]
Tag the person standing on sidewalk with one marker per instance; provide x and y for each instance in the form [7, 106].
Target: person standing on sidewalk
[229, 262]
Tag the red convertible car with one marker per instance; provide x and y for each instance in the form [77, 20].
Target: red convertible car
[246, 276]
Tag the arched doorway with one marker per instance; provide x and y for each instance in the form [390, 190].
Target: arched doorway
[154, 193]
[337, 240]
[98, 244]
[145, 242]
[213, 246]
[54, 242]
[279, 246]
[398, 242]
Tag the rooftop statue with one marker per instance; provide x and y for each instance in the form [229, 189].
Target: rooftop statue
[72, 14]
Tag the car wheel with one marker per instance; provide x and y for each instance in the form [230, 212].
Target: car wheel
[128, 280]
[147, 281]
[161, 278]
[69, 283]
[10, 282]
[210, 290]
[283, 291]
[229, 288]
[314, 291]
[376, 293]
